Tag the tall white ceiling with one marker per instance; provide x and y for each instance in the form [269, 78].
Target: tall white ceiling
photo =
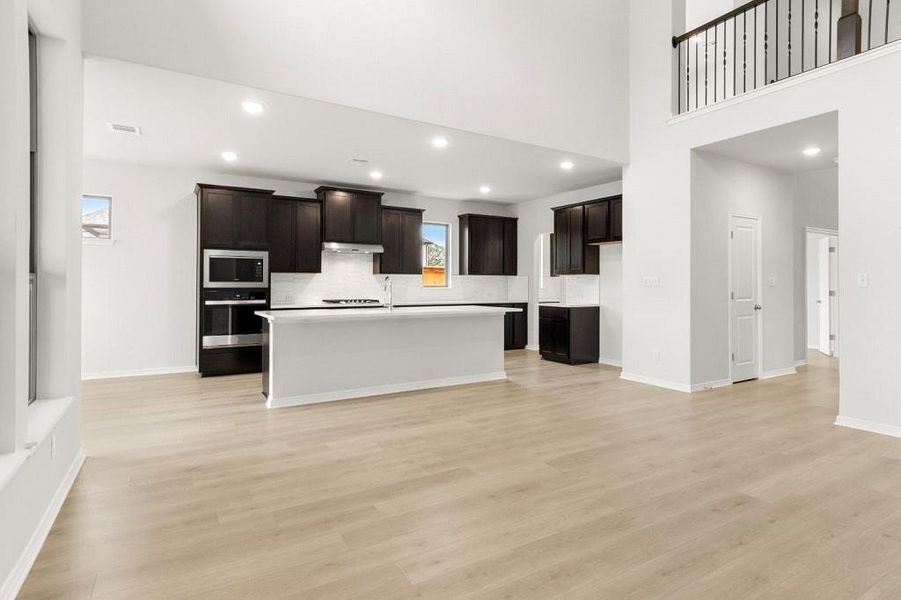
[188, 121]
[548, 73]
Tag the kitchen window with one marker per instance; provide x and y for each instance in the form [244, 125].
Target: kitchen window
[435, 255]
[96, 218]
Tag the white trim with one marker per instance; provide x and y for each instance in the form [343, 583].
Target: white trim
[709, 385]
[378, 390]
[871, 426]
[661, 383]
[809, 347]
[16, 578]
[138, 372]
[789, 82]
[821, 231]
[532, 347]
[612, 362]
[801, 363]
[777, 373]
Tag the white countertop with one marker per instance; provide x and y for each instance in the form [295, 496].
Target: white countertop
[568, 305]
[310, 305]
[358, 314]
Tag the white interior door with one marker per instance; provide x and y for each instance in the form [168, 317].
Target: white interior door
[744, 298]
[823, 298]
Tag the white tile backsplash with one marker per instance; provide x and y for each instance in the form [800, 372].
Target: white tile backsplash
[350, 276]
[581, 289]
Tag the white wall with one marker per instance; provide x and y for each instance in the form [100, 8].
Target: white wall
[720, 187]
[140, 292]
[551, 74]
[657, 183]
[816, 205]
[33, 480]
[536, 218]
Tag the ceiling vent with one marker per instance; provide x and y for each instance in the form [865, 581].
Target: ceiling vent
[129, 129]
[359, 161]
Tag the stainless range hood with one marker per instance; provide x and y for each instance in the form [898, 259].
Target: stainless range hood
[343, 248]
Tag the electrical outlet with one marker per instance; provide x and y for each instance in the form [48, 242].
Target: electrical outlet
[656, 354]
[772, 282]
[863, 280]
[651, 281]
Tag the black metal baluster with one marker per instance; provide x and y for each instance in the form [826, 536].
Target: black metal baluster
[870, 26]
[803, 26]
[734, 57]
[706, 60]
[678, 83]
[789, 38]
[725, 51]
[744, 53]
[777, 40]
[716, 29]
[687, 75]
[697, 74]
[755, 48]
[766, 43]
[888, 5]
[816, 34]
[831, 2]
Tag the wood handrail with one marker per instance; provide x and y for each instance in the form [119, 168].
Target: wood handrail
[678, 39]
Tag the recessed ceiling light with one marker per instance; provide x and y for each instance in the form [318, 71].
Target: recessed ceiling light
[375, 174]
[567, 165]
[229, 156]
[440, 142]
[812, 151]
[253, 107]
[485, 189]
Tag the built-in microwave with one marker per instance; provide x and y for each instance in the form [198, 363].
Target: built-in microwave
[235, 269]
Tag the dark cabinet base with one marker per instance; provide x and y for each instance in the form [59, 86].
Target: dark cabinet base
[516, 328]
[569, 335]
[230, 361]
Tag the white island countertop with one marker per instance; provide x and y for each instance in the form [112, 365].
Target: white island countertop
[309, 305]
[377, 314]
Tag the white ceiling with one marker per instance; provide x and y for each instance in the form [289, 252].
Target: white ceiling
[781, 147]
[550, 73]
[187, 121]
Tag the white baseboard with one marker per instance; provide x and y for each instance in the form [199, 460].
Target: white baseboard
[777, 373]
[17, 577]
[871, 426]
[533, 347]
[800, 363]
[138, 372]
[379, 390]
[611, 362]
[813, 347]
[662, 383]
[709, 385]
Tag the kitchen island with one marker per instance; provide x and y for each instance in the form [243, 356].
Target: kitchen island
[322, 355]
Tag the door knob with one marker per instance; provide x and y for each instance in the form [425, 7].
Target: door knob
[758, 307]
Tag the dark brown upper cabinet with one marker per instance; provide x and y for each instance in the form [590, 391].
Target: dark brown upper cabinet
[604, 220]
[295, 235]
[232, 217]
[350, 216]
[402, 240]
[488, 245]
[572, 253]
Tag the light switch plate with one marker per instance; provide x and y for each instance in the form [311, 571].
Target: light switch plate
[863, 280]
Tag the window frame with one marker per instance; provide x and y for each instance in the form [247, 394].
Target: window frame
[448, 257]
[98, 241]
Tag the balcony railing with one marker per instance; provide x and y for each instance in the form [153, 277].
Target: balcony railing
[765, 41]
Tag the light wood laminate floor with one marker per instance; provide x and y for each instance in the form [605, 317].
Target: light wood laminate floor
[562, 482]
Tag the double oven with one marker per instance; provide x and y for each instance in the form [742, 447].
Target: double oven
[235, 286]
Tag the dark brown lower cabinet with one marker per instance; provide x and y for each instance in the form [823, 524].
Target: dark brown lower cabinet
[230, 361]
[569, 334]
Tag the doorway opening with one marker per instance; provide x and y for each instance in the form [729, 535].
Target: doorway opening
[821, 290]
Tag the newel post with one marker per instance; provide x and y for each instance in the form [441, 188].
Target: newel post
[849, 28]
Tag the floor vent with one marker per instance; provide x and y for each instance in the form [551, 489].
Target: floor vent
[129, 129]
